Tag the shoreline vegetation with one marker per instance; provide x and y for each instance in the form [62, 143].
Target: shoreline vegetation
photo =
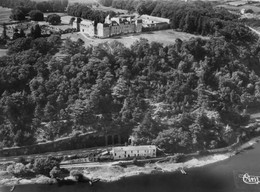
[121, 169]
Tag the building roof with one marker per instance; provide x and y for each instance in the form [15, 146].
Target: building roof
[156, 19]
[86, 22]
[134, 148]
[114, 23]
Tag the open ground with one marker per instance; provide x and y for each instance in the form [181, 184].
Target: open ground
[165, 37]
[3, 52]
[254, 7]
[4, 14]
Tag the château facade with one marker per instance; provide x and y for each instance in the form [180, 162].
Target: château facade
[111, 27]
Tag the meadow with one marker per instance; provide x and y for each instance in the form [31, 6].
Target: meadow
[166, 37]
[254, 7]
[4, 14]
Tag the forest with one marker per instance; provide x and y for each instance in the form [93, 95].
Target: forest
[193, 17]
[86, 12]
[28, 5]
[113, 88]
[192, 95]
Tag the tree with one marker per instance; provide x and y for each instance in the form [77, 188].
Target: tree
[45, 165]
[36, 15]
[141, 9]
[54, 19]
[72, 19]
[18, 109]
[22, 34]
[4, 34]
[17, 14]
[147, 130]
[19, 170]
[36, 31]
[55, 172]
[174, 140]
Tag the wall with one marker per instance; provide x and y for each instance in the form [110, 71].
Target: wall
[87, 29]
[77, 142]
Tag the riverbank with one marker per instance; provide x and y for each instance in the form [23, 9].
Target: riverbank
[111, 172]
[115, 173]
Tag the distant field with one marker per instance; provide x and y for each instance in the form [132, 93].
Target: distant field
[102, 8]
[166, 37]
[4, 14]
[255, 8]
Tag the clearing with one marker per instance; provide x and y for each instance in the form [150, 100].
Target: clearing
[3, 52]
[166, 37]
[4, 14]
[254, 7]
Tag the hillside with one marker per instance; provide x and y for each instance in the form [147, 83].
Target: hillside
[187, 96]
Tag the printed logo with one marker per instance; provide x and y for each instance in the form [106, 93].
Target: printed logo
[247, 181]
[250, 179]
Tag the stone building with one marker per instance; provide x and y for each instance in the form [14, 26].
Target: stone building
[87, 27]
[118, 26]
[111, 27]
[133, 151]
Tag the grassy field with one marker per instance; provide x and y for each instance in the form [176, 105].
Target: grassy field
[3, 52]
[165, 37]
[255, 8]
[4, 14]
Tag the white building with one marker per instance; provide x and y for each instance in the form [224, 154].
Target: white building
[151, 21]
[133, 151]
[87, 27]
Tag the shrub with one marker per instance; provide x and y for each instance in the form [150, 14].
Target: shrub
[21, 160]
[77, 174]
[45, 165]
[54, 19]
[177, 158]
[36, 15]
[203, 152]
[55, 172]
[19, 170]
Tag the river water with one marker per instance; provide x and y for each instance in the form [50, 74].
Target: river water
[217, 177]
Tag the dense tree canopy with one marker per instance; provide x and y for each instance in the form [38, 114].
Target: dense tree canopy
[44, 6]
[193, 17]
[36, 15]
[113, 88]
[180, 97]
[53, 19]
[86, 12]
[17, 14]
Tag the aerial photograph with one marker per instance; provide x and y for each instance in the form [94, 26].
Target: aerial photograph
[129, 95]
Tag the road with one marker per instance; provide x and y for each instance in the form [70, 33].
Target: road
[94, 164]
[55, 154]
[252, 29]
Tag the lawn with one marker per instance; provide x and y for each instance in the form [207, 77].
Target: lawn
[3, 52]
[4, 14]
[165, 37]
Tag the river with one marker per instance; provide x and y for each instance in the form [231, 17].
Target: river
[217, 177]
